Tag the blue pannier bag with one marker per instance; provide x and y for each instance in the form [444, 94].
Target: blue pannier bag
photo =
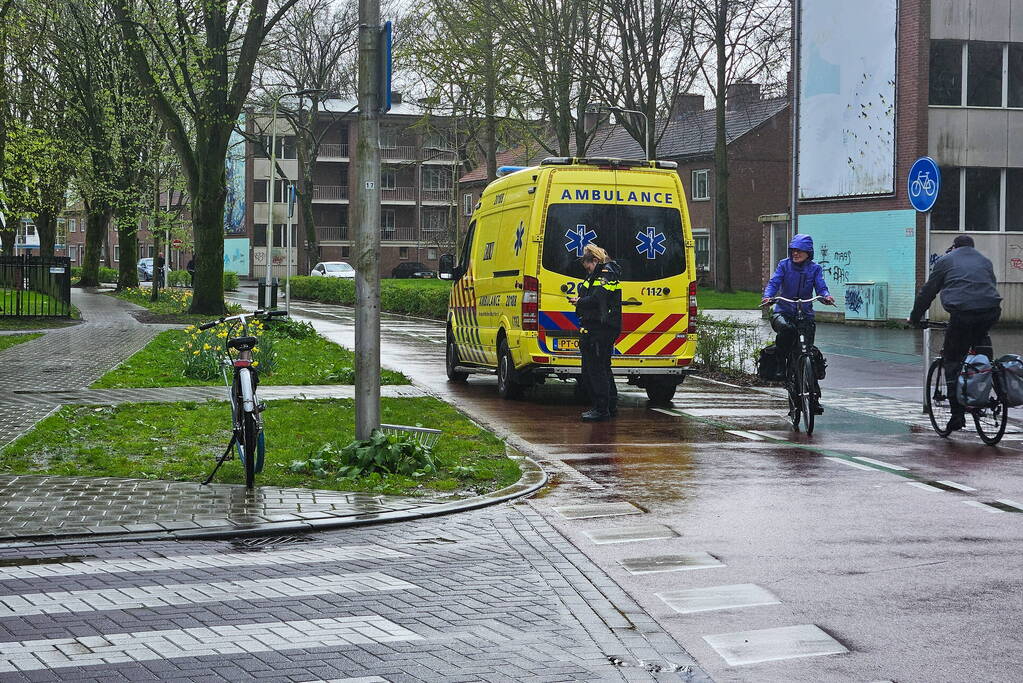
[973, 386]
[1012, 378]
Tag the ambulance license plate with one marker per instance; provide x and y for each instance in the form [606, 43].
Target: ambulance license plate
[566, 344]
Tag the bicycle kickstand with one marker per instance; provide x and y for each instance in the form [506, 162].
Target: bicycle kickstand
[222, 459]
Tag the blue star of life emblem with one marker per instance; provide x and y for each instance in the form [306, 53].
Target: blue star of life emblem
[519, 231]
[650, 243]
[578, 239]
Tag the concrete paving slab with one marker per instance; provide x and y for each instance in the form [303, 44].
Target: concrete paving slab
[670, 563]
[773, 644]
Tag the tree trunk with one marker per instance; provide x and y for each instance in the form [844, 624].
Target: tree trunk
[208, 225]
[723, 250]
[8, 237]
[96, 221]
[46, 228]
[306, 162]
[128, 239]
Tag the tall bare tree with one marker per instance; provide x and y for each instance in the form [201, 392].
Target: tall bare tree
[314, 49]
[195, 62]
[750, 41]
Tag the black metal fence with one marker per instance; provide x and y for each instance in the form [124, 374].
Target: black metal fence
[35, 286]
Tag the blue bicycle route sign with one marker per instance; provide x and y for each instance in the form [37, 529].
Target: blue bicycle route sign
[924, 183]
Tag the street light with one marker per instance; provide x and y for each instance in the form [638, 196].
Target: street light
[600, 108]
[273, 172]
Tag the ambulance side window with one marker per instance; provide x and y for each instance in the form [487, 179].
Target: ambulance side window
[463, 259]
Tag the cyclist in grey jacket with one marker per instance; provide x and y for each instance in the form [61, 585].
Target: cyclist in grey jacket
[966, 280]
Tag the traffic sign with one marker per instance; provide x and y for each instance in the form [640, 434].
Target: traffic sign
[177, 244]
[924, 182]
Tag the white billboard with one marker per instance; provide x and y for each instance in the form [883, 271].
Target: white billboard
[847, 98]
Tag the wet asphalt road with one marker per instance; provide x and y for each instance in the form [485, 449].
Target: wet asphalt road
[873, 535]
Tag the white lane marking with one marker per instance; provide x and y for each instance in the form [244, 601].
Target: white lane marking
[745, 435]
[363, 679]
[852, 464]
[132, 597]
[959, 487]
[982, 506]
[767, 435]
[673, 413]
[731, 412]
[881, 463]
[1011, 503]
[773, 644]
[650, 532]
[718, 597]
[140, 646]
[925, 487]
[340, 553]
[597, 510]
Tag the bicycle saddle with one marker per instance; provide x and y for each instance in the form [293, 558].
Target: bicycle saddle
[242, 343]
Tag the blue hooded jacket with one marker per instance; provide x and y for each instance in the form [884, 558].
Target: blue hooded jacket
[794, 281]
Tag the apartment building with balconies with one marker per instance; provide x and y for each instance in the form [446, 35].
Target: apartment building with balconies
[419, 169]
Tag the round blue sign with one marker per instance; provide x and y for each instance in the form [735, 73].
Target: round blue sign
[924, 183]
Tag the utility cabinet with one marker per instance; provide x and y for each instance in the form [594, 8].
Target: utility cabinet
[866, 301]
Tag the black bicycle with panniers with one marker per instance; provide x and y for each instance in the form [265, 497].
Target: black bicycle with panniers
[802, 370]
[985, 389]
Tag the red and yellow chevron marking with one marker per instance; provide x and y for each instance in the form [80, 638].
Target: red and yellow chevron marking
[659, 340]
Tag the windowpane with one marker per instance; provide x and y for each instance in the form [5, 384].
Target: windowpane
[945, 214]
[946, 85]
[1015, 75]
[983, 194]
[259, 235]
[1014, 199]
[259, 188]
[984, 75]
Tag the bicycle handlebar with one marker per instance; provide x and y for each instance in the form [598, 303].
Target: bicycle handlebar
[242, 317]
[773, 299]
[931, 325]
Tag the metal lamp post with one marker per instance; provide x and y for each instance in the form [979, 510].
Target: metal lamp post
[600, 108]
[273, 172]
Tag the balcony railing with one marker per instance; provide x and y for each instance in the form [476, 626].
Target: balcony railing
[435, 195]
[398, 234]
[333, 150]
[432, 154]
[398, 194]
[328, 193]
[402, 152]
[332, 233]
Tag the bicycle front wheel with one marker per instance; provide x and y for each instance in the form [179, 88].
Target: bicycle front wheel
[250, 441]
[990, 421]
[806, 392]
[938, 407]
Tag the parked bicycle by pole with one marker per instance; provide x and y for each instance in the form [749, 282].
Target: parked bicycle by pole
[246, 411]
[803, 369]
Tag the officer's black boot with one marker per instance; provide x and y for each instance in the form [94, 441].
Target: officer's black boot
[595, 416]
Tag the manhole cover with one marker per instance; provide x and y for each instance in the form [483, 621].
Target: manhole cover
[261, 542]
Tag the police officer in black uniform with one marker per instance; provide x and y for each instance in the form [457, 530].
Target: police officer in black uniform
[599, 307]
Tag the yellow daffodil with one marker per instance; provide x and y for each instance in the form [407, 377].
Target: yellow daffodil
[255, 363]
[182, 348]
[195, 353]
[206, 347]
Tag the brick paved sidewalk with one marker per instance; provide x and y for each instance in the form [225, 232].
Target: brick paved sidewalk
[55, 369]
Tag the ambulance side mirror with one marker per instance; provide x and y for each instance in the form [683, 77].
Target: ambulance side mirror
[447, 268]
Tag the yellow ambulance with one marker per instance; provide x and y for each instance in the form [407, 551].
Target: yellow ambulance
[518, 266]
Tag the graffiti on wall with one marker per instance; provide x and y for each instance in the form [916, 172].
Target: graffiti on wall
[853, 300]
[837, 265]
[1015, 252]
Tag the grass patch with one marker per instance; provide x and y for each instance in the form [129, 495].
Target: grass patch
[9, 340]
[734, 301]
[180, 441]
[23, 323]
[171, 304]
[313, 360]
[30, 303]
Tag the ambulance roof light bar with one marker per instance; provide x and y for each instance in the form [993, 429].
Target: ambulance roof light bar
[506, 170]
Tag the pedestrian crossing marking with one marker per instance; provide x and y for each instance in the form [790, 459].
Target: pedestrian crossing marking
[135, 597]
[341, 553]
[114, 648]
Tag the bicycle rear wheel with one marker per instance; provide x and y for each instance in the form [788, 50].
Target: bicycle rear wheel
[806, 392]
[990, 421]
[250, 441]
[938, 407]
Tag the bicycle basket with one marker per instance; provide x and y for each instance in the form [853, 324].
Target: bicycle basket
[424, 436]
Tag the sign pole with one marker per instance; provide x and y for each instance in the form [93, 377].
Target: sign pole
[927, 330]
[922, 187]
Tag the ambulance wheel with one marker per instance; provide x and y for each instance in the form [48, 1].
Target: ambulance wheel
[660, 392]
[451, 361]
[507, 381]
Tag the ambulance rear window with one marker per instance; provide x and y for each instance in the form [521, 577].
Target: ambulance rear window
[646, 241]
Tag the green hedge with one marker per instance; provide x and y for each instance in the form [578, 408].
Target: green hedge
[105, 274]
[181, 278]
[230, 281]
[395, 296]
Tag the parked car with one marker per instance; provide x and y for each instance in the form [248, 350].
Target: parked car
[412, 269]
[145, 269]
[333, 269]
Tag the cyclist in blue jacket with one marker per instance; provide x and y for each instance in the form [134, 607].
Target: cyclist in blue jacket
[796, 277]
